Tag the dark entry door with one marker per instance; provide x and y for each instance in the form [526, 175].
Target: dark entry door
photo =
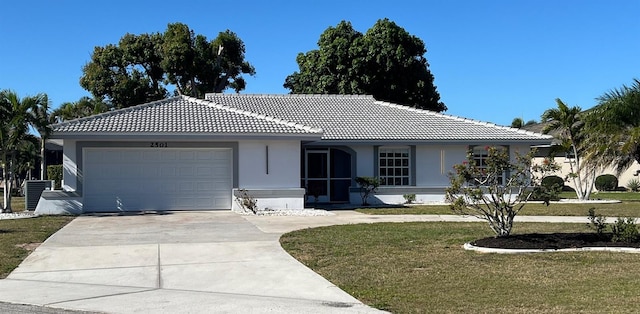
[328, 174]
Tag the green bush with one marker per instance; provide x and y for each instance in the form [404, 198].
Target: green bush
[368, 186]
[606, 182]
[633, 185]
[597, 222]
[624, 230]
[409, 198]
[548, 190]
[54, 172]
[550, 181]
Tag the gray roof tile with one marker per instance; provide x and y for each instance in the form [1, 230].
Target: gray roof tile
[183, 114]
[353, 117]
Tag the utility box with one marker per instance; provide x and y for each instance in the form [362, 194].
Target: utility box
[32, 191]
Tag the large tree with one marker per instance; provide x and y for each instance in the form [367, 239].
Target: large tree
[568, 125]
[16, 117]
[84, 107]
[614, 128]
[142, 68]
[386, 62]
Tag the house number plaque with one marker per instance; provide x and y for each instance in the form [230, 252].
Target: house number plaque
[159, 144]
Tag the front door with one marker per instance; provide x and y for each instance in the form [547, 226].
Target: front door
[327, 175]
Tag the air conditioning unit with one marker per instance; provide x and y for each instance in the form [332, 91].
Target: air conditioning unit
[32, 191]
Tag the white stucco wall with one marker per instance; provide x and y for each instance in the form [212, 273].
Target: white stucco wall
[69, 166]
[364, 163]
[273, 181]
[433, 163]
[284, 164]
[623, 178]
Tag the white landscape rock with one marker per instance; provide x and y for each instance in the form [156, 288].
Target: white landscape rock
[17, 215]
[288, 212]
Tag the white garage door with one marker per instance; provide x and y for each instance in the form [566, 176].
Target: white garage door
[131, 179]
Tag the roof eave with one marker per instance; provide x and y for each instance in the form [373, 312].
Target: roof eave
[440, 141]
[182, 136]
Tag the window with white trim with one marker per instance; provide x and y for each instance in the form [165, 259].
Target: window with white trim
[394, 166]
[480, 155]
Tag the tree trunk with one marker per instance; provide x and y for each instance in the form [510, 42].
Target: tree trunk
[43, 162]
[6, 191]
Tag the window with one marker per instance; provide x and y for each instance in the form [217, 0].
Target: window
[480, 155]
[394, 166]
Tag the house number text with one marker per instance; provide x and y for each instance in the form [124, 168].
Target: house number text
[159, 144]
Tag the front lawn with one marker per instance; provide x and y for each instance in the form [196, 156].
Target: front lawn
[18, 236]
[621, 196]
[421, 267]
[624, 209]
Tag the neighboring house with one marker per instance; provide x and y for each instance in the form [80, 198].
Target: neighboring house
[543, 151]
[285, 150]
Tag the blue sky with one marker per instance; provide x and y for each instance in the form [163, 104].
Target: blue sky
[492, 60]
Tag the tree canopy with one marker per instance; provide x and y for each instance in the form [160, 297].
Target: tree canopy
[84, 107]
[142, 68]
[568, 122]
[519, 123]
[614, 128]
[386, 62]
[17, 115]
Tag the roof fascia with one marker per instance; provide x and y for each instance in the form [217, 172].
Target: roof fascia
[185, 137]
[431, 142]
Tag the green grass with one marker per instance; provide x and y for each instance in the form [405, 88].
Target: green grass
[17, 232]
[624, 209]
[17, 204]
[421, 267]
[621, 196]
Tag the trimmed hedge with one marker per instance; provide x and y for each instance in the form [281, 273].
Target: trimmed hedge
[606, 182]
[549, 189]
[550, 181]
[54, 172]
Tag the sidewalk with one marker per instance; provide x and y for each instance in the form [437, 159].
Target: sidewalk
[284, 224]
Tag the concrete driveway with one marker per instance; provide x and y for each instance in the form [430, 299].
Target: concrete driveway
[177, 262]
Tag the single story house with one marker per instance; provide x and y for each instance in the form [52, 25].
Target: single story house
[286, 151]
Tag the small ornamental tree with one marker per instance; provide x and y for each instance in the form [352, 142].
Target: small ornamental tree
[368, 186]
[497, 190]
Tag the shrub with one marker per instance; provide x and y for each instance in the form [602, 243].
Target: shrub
[550, 181]
[548, 190]
[624, 230]
[54, 172]
[409, 198]
[598, 222]
[368, 186]
[246, 201]
[633, 185]
[606, 182]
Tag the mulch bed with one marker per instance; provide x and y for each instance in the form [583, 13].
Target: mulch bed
[552, 241]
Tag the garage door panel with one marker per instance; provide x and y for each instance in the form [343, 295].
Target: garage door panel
[156, 179]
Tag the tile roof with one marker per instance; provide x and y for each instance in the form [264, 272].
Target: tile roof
[182, 114]
[362, 118]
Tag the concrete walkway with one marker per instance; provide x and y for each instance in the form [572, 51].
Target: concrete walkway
[187, 262]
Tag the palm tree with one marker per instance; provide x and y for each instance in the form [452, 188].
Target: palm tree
[16, 117]
[27, 156]
[82, 108]
[614, 128]
[42, 118]
[568, 125]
